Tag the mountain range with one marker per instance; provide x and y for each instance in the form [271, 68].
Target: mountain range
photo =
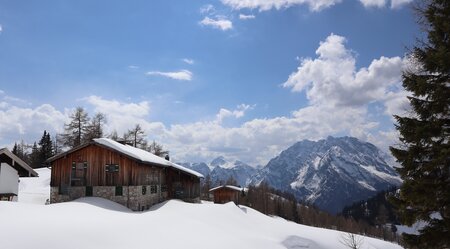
[330, 173]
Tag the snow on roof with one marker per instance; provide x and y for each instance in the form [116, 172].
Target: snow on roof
[228, 186]
[133, 152]
[18, 161]
[143, 155]
[190, 171]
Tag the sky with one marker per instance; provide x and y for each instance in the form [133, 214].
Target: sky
[244, 79]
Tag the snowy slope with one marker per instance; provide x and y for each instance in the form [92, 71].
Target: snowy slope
[98, 223]
[330, 173]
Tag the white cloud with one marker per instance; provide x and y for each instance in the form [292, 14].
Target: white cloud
[220, 23]
[263, 5]
[1, 28]
[17, 123]
[398, 3]
[133, 67]
[188, 61]
[207, 9]
[332, 78]
[177, 75]
[238, 113]
[122, 116]
[381, 3]
[246, 17]
[373, 3]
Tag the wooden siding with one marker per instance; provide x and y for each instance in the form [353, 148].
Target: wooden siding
[224, 195]
[181, 185]
[130, 173]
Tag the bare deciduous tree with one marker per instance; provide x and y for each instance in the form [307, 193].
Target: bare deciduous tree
[351, 240]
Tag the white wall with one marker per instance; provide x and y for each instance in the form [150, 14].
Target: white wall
[9, 179]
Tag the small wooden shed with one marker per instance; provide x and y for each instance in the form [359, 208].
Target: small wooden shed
[227, 193]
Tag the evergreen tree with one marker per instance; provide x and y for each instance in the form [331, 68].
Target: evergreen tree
[35, 157]
[424, 152]
[45, 148]
[75, 130]
[21, 151]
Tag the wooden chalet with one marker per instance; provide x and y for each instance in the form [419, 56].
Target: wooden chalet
[227, 193]
[127, 175]
[11, 168]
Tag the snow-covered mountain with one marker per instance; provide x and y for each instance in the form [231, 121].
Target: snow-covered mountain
[330, 173]
[220, 170]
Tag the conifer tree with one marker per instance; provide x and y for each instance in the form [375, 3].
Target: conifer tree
[136, 137]
[35, 157]
[95, 127]
[75, 130]
[46, 147]
[424, 152]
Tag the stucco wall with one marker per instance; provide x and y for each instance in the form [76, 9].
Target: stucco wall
[9, 179]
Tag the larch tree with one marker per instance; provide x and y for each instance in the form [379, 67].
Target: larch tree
[95, 127]
[157, 149]
[424, 150]
[75, 130]
[136, 137]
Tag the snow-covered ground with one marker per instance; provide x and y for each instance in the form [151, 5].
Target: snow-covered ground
[35, 190]
[98, 223]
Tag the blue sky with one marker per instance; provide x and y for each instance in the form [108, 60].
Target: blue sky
[239, 78]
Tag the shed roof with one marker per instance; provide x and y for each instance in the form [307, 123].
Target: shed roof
[229, 187]
[18, 161]
[132, 152]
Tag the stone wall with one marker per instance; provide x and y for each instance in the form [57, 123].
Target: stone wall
[137, 198]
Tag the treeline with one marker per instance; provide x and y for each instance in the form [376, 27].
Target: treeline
[81, 129]
[36, 154]
[282, 204]
[376, 211]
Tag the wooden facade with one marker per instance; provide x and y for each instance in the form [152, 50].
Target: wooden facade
[121, 173]
[227, 193]
[92, 166]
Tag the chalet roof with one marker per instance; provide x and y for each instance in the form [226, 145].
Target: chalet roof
[229, 187]
[18, 161]
[132, 152]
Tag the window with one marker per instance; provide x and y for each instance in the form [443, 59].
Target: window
[144, 190]
[163, 188]
[153, 189]
[89, 191]
[112, 168]
[78, 174]
[119, 190]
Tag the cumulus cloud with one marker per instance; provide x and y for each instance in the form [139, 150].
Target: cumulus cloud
[219, 23]
[333, 79]
[188, 61]
[238, 113]
[246, 17]
[177, 75]
[264, 5]
[17, 123]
